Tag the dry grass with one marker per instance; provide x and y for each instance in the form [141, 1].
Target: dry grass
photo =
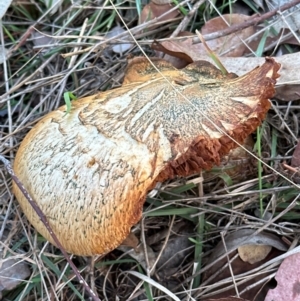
[186, 215]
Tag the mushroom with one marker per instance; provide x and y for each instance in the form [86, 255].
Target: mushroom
[89, 170]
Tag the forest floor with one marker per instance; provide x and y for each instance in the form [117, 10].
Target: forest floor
[213, 235]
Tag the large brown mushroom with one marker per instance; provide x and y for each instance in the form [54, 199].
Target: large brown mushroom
[90, 170]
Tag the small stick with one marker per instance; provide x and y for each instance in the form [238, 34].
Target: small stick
[43, 218]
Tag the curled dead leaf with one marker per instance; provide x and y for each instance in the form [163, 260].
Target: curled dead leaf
[13, 272]
[288, 92]
[90, 170]
[228, 43]
[245, 237]
[186, 51]
[220, 270]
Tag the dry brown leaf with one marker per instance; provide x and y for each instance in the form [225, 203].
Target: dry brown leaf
[218, 272]
[288, 92]
[175, 52]
[233, 241]
[245, 237]
[12, 272]
[295, 162]
[154, 10]
[182, 49]
[288, 281]
[228, 42]
[217, 45]
[131, 241]
[145, 259]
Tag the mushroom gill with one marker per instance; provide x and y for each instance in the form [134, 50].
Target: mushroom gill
[90, 170]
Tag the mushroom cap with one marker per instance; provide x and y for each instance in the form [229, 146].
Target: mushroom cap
[90, 170]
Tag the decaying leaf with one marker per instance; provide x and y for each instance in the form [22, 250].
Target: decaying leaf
[40, 40]
[245, 237]
[295, 162]
[91, 169]
[145, 260]
[154, 10]
[12, 273]
[228, 42]
[288, 281]
[4, 5]
[174, 53]
[131, 241]
[184, 50]
[220, 270]
[288, 92]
